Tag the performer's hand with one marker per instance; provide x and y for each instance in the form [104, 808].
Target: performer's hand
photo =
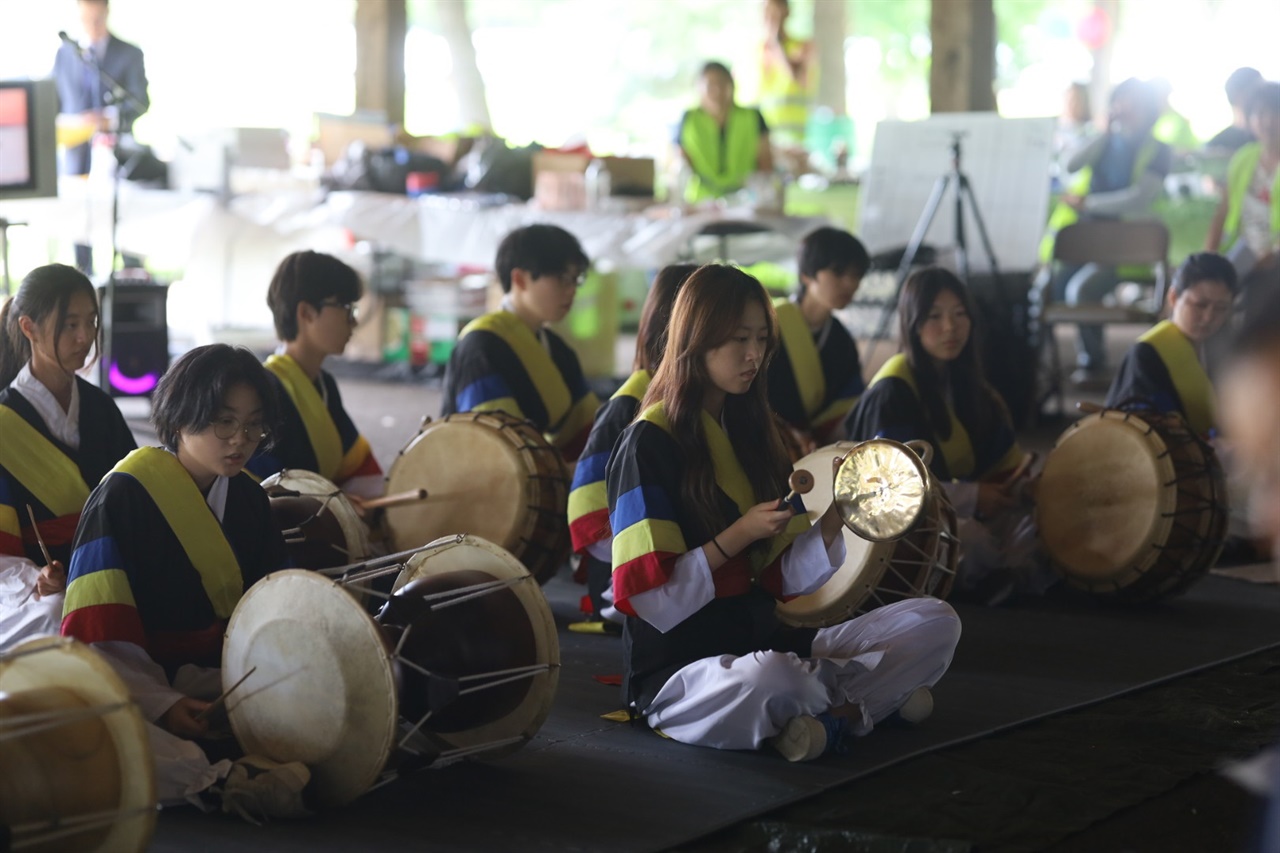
[52, 580]
[181, 720]
[993, 498]
[1073, 201]
[764, 520]
[357, 503]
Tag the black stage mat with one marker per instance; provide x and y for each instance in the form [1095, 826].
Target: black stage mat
[588, 784]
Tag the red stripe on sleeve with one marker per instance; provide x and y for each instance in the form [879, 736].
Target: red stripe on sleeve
[105, 623]
[590, 529]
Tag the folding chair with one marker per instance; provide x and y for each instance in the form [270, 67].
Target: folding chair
[1110, 243]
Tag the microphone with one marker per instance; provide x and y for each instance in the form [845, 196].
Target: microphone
[75, 45]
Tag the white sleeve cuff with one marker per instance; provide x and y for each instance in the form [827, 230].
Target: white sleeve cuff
[689, 590]
[808, 563]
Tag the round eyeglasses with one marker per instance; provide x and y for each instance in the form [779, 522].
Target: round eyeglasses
[226, 429]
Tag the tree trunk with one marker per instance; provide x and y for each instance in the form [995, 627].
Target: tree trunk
[963, 69]
[828, 39]
[473, 108]
[381, 26]
[1100, 76]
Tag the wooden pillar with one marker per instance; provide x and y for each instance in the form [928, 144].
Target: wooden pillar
[381, 27]
[828, 37]
[963, 69]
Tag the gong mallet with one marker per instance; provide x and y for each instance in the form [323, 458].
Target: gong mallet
[801, 483]
[222, 698]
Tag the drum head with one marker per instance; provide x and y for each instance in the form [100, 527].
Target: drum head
[475, 480]
[325, 514]
[100, 764]
[1102, 498]
[865, 561]
[508, 716]
[880, 489]
[323, 691]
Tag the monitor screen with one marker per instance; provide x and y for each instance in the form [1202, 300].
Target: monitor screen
[28, 145]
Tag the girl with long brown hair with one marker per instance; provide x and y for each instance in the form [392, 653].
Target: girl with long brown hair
[703, 549]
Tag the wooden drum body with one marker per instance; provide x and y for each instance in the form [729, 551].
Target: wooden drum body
[75, 763]
[922, 562]
[490, 475]
[1131, 506]
[321, 527]
[463, 660]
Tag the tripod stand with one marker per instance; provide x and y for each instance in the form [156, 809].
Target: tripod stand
[963, 194]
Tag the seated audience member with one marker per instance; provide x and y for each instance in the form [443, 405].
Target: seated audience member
[1239, 87]
[1247, 223]
[510, 361]
[815, 377]
[721, 142]
[588, 503]
[935, 391]
[1118, 174]
[312, 297]
[1166, 368]
[58, 436]
[166, 546]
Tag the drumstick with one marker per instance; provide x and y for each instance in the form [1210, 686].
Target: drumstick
[801, 483]
[1027, 460]
[223, 697]
[1089, 408]
[48, 561]
[411, 496]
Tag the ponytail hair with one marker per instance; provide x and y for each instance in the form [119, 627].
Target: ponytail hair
[45, 292]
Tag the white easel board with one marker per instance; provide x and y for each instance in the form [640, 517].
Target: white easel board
[1007, 162]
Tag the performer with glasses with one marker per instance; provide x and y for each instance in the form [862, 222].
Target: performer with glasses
[312, 298]
[167, 544]
[60, 435]
[509, 361]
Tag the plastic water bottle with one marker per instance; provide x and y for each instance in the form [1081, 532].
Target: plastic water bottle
[599, 184]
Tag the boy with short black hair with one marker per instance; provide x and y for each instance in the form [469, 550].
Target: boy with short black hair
[312, 297]
[816, 377]
[508, 360]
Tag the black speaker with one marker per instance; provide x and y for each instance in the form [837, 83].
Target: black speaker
[137, 332]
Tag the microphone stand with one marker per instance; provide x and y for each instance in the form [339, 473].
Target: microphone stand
[125, 102]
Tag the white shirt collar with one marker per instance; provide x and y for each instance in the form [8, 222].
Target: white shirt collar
[64, 426]
[217, 499]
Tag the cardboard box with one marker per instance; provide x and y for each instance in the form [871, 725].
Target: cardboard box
[334, 133]
[559, 178]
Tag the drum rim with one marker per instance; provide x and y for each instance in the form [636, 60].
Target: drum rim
[75, 666]
[353, 527]
[546, 488]
[1121, 576]
[542, 623]
[338, 778]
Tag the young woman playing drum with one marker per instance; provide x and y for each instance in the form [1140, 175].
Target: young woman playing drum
[702, 551]
[935, 390]
[60, 435]
[167, 544]
[588, 503]
[1165, 369]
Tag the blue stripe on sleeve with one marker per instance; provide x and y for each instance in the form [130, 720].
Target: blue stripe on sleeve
[638, 504]
[481, 391]
[590, 469]
[94, 556]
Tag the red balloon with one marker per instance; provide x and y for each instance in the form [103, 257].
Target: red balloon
[1094, 28]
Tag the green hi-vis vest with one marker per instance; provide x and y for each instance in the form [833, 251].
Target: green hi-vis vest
[720, 162]
[784, 102]
[1239, 176]
[1082, 184]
